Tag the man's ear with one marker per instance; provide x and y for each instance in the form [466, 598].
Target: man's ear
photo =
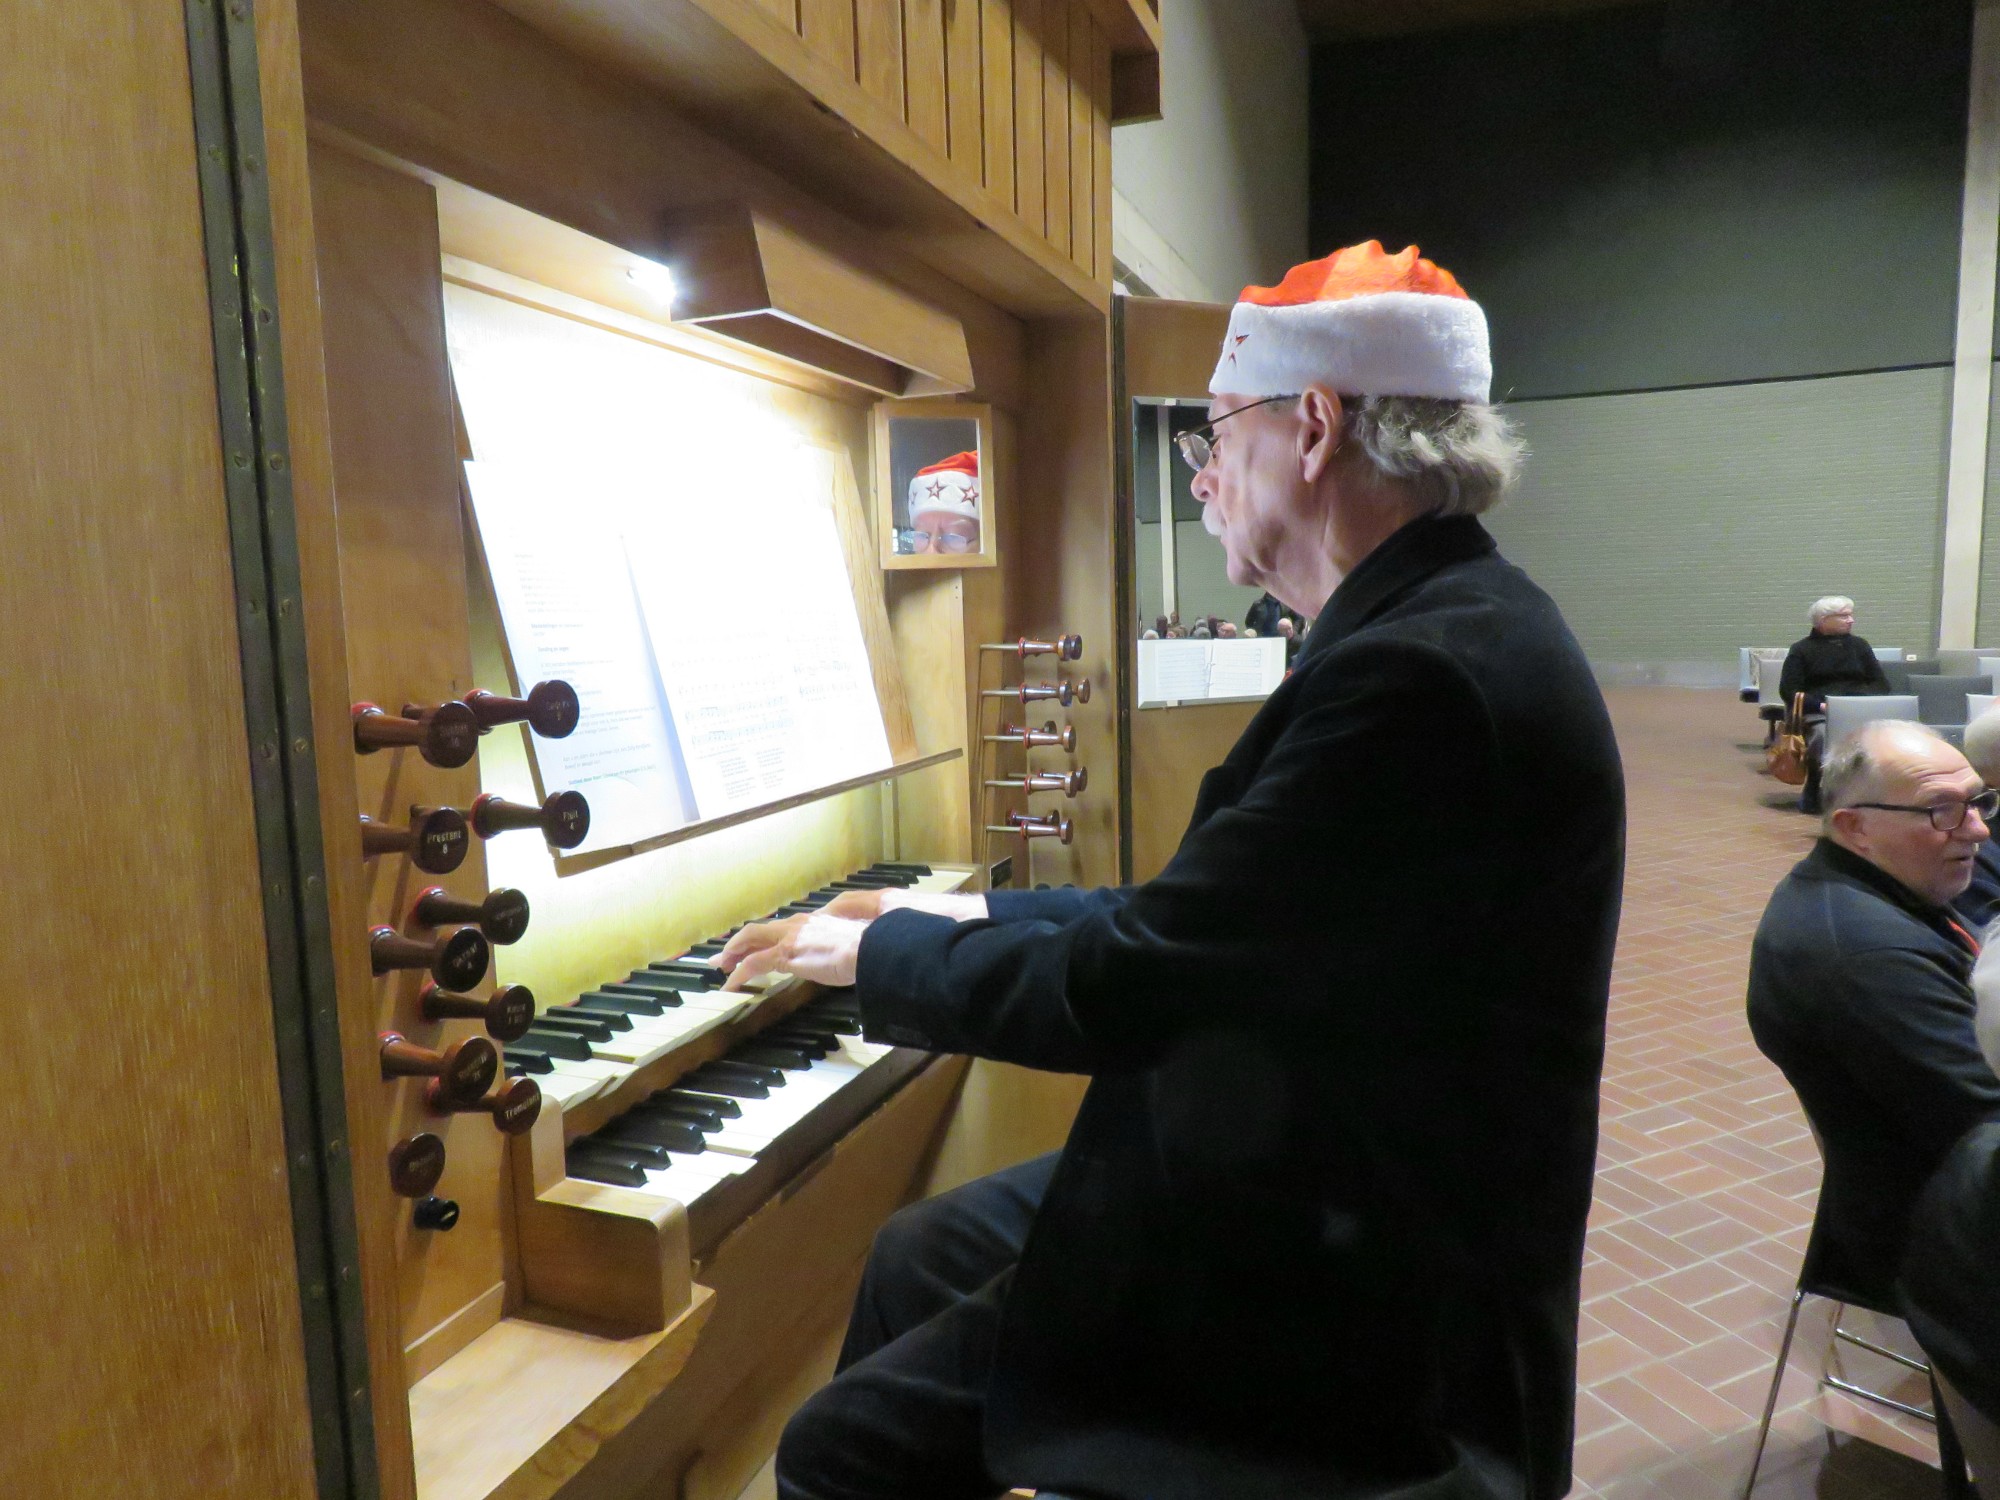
[1847, 823]
[1321, 423]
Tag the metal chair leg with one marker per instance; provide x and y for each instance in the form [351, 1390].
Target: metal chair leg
[1841, 1336]
[1771, 1401]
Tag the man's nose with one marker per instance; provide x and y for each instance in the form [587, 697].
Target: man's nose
[1203, 487]
[1973, 829]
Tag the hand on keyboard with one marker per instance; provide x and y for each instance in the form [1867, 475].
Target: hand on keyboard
[818, 947]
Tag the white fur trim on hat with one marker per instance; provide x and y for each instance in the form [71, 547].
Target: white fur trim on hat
[1384, 344]
[945, 493]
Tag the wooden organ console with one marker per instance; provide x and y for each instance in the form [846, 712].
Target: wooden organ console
[566, 1218]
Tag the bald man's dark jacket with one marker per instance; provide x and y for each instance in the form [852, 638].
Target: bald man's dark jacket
[1861, 993]
[1318, 1226]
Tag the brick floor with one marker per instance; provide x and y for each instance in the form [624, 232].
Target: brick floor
[1706, 1173]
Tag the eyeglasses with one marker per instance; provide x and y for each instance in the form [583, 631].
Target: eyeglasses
[1196, 446]
[1946, 817]
[925, 541]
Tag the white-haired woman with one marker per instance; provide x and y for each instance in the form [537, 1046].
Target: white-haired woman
[1832, 660]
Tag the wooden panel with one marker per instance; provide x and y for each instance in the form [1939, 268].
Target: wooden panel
[784, 12]
[1029, 201]
[1172, 748]
[964, 86]
[1055, 123]
[924, 72]
[151, 1304]
[1170, 347]
[827, 28]
[402, 553]
[1084, 41]
[1100, 162]
[996, 48]
[376, 1208]
[878, 49]
[601, 155]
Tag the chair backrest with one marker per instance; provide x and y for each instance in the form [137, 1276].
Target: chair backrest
[1978, 1434]
[1941, 700]
[1977, 704]
[1898, 675]
[1927, 665]
[1746, 669]
[1768, 672]
[1888, 653]
[1845, 715]
[1989, 666]
[1958, 663]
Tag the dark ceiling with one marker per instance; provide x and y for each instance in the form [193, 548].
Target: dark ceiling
[1328, 19]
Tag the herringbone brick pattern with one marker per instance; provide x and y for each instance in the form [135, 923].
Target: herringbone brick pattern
[1706, 1171]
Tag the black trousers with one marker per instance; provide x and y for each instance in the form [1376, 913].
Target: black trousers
[904, 1415]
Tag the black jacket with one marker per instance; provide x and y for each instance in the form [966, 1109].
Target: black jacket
[1951, 1273]
[1318, 1227]
[1845, 665]
[1860, 991]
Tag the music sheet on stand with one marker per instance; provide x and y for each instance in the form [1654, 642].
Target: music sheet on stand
[752, 621]
[560, 578]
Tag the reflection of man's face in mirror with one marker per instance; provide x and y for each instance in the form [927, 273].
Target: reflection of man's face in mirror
[934, 531]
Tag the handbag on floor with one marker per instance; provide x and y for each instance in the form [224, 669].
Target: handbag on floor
[1785, 757]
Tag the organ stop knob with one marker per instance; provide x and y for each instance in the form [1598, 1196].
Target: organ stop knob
[1048, 734]
[550, 709]
[434, 1213]
[463, 1071]
[514, 1105]
[415, 1165]
[507, 1015]
[502, 916]
[1069, 783]
[457, 960]
[564, 819]
[1062, 648]
[1049, 826]
[445, 734]
[436, 839]
[1063, 693]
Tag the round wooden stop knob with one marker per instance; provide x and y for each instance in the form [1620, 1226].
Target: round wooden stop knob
[457, 960]
[507, 1014]
[514, 1105]
[464, 1070]
[564, 819]
[445, 734]
[1069, 783]
[1053, 826]
[550, 709]
[416, 1165]
[502, 916]
[1062, 648]
[436, 839]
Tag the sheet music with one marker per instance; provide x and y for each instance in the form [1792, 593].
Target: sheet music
[557, 559]
[1180, 671]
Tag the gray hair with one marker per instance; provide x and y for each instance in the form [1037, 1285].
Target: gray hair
[1461, 457]
[1982, 745]
[1832, 604]
[1851, 770]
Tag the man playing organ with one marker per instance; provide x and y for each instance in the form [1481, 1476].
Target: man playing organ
[1318, 1227]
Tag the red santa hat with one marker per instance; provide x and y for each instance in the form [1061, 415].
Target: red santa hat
[1363, 322]
[950, 486]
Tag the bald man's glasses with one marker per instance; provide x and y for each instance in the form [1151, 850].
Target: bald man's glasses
[1946, 817]
[1198, 447]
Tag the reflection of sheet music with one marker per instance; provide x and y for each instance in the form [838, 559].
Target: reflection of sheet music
[1203, 671]
[559, 574]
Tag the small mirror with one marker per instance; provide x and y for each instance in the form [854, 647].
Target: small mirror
[933, 484]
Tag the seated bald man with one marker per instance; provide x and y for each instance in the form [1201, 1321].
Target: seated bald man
[1318, 1227]
[1860, 986]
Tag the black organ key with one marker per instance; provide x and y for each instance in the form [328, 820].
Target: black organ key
[706, 950]
[791, 1059]
[869, 880]
[676, 1114]
[590, 1028]
[593, 1166]
[816, 1043]
[557, 1043]
[528, 1058]
[622, 1005]
[646, 1153]
[901, 867]
[768, 1074]
[616, 1020]
[664, 988]
[720, 1083]
[653, 1130]
[706, 974]
[724, 1105]
[815, 901]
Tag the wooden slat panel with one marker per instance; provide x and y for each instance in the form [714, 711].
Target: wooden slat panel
[923, 71]
[878, 50]
[151, 1305]
[1028, 195]
[784, 12]
[1085, 41]
[996, 20]
[1100, 160]
[964, 85]
[827, 27]
[1055, 123]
